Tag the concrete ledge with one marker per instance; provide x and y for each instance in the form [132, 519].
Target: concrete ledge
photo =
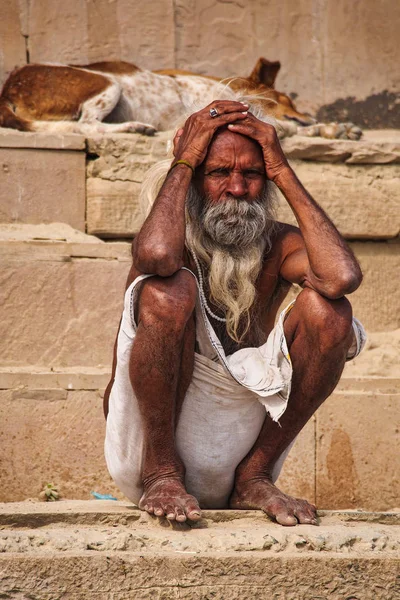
[362, 200]
[110, 550]
[39, 184]
[363, 152]
[39, 378]
[96, 378]
[355, 182]
[10, 138]
[74, 283]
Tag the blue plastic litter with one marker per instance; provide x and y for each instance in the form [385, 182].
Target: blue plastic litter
[103, 496]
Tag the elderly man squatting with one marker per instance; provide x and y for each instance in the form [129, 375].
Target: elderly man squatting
[197, 360]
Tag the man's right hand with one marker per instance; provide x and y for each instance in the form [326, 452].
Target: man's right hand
[192, 141]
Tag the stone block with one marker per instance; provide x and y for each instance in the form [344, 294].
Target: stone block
[373, 302]
[362, 201]
[80, 32]
[55, 293]
[50, 32]
[42, 186]
[104, 549]
[358, 450]
[113, 208]
[380, 358]
[311, 45]
[351, 195]
[45, 436]
[371, 44]
[115, 172]
[52, 436]
[125, 157]
[12, 40]
[62, 302]
[379, 149]
[11, 138]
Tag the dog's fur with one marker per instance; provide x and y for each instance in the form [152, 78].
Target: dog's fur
[117, 97]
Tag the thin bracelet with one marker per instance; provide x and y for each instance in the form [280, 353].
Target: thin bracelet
[181, 162]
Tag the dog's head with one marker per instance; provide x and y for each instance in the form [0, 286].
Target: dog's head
[261, 85]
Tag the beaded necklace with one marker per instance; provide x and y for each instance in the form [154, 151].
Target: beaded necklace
[201, 289]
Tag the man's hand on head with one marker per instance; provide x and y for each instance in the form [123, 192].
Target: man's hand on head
[275, 161]
[192, 141]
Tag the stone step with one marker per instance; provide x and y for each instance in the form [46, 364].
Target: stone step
[42, 178]
[100, 179]
[355, 182]
[61, 429]
[104, 549]
[62, 294]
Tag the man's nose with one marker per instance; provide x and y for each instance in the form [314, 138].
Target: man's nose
[236, 185]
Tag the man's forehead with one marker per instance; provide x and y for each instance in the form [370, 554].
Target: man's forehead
[228, 143]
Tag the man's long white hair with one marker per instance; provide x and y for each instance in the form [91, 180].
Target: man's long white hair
[232, 267]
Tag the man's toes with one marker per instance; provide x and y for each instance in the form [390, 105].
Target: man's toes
[148, 507]
[169, 512]
[284, 518]
[180, 515]
[158, 510]
[194, 515]
[193, 511]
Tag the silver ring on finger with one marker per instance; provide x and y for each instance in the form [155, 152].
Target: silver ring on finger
[213, 113]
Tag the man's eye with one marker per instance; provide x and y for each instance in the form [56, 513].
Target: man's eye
[252, 174]
[219, 173]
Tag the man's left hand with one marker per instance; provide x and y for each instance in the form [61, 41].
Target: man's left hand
[265, 134]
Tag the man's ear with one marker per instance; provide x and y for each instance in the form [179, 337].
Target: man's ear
[265, 72]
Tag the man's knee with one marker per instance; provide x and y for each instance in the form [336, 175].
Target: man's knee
[168, 300]
[331, 320]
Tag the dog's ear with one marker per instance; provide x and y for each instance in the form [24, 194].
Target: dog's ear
[265, 72]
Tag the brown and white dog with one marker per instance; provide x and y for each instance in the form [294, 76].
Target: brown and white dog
[118, 97]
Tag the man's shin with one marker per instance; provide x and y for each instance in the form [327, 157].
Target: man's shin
[160, 370]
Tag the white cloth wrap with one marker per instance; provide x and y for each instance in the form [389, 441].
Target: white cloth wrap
[222, 414]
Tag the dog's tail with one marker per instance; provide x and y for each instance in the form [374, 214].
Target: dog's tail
[8, 118]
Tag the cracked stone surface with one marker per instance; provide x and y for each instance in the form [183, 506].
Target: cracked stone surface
[77, 549]
[350, 180]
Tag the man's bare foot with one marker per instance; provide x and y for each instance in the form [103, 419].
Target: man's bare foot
[262, 494]
[168, 498]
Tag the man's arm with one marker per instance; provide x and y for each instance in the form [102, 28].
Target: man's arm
[159, 246]
[316, 257]
[320, 258]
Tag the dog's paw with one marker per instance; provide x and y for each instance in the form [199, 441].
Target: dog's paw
[137, 127]
[340, 131]
[352, 132]
[332, 131]
[309, 130]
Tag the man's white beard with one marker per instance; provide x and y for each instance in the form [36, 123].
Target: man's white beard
[230, 237]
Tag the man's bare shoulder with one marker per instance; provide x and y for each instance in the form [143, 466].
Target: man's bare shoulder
[285, 239]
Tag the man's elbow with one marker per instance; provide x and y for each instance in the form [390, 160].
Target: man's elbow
[156, 260]
[345, 283]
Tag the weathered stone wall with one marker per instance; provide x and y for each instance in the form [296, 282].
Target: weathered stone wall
[338, 57]
[61, 292]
